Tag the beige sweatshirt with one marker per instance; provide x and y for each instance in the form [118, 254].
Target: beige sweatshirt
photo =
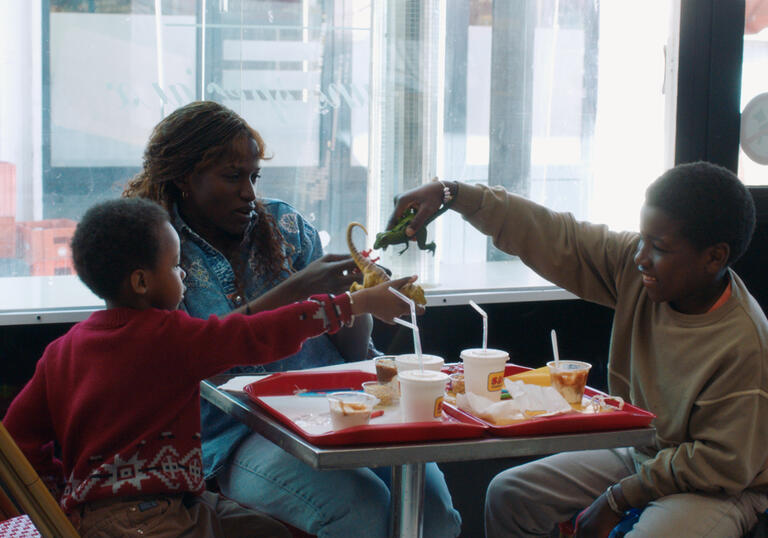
[705, 377]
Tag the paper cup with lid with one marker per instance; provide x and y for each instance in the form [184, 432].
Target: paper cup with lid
[410, 361]
[484, 371]
[421, 395]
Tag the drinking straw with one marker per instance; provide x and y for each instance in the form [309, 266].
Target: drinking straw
[407, 300]
[485, 323]
[554, 348]
[412, 325]
[416, 338]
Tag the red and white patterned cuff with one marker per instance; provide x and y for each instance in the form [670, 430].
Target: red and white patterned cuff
[337, 310]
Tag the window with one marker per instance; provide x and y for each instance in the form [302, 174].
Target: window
[754, 89]
[565, 102]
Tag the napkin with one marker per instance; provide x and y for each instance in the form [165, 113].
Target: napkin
[527, 401]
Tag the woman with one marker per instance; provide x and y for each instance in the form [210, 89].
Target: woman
[202, 163]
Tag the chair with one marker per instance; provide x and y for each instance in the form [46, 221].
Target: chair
[23, 492]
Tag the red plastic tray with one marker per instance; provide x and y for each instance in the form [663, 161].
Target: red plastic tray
[288, 383]
[629, 417]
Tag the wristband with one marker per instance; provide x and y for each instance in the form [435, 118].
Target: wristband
[612, 501]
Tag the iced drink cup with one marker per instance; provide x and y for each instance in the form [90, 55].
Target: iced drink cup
[411, 362]
[569, 378]
[350, 409]
[421, 395]
[484, 372]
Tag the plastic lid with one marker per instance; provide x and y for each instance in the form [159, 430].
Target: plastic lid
[412, 358]
[480, 353]
[425, 375]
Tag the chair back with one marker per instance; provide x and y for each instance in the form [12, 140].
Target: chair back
[24, 489]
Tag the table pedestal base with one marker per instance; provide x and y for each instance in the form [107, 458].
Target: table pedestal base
[407, 500]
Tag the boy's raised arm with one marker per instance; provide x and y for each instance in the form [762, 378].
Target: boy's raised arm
[583, 258]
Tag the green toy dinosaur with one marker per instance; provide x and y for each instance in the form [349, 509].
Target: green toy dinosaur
[397, 235]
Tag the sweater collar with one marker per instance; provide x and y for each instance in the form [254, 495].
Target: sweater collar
[712, 316]
[113, 317]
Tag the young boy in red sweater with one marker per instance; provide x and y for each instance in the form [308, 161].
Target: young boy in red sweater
[119, 393]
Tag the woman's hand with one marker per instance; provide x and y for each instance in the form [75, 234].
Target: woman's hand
[427, 199]
[333, 273]
[381, 302]
[598, 520]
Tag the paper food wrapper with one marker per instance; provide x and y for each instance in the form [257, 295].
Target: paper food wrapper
[527, 401]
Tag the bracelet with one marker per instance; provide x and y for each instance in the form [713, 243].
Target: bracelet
[447, 196]
[351, 315]
[612, 501]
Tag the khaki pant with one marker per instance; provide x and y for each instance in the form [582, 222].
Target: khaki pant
[529, 500]
[206, 516]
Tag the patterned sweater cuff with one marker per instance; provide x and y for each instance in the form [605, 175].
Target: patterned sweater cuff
[337, 310]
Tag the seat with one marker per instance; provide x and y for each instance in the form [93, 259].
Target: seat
[23, 493]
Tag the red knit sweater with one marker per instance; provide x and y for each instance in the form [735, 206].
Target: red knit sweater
[119, 393]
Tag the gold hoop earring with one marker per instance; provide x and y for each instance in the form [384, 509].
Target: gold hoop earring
[185, 195]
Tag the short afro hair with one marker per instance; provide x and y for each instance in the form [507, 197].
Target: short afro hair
[113, 239]
[711, 203]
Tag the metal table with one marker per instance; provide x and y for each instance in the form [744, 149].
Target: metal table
[408, 459]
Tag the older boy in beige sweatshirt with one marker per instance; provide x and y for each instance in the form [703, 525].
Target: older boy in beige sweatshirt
[689, 343]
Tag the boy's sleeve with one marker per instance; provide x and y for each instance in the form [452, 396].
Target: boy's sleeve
[583, 258]
[221, 343]
[727, 455]
[28, 420]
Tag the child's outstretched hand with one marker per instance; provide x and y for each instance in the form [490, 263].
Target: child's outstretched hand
[382, 303]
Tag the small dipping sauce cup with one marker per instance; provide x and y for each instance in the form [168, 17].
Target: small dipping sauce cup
[410, 361]
[457, 383]
[421, 395]
[349, 409]
[569, 378]
[386, 369]
[484, 372]
[387, 393]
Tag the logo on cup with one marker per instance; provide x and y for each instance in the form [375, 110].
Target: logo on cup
[495, 381]
[438, 410]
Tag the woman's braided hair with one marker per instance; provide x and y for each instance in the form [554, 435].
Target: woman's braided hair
[191, 139]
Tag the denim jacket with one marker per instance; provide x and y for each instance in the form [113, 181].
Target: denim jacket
[211, 289]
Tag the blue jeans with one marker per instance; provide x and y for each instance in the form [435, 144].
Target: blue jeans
[343, 503]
